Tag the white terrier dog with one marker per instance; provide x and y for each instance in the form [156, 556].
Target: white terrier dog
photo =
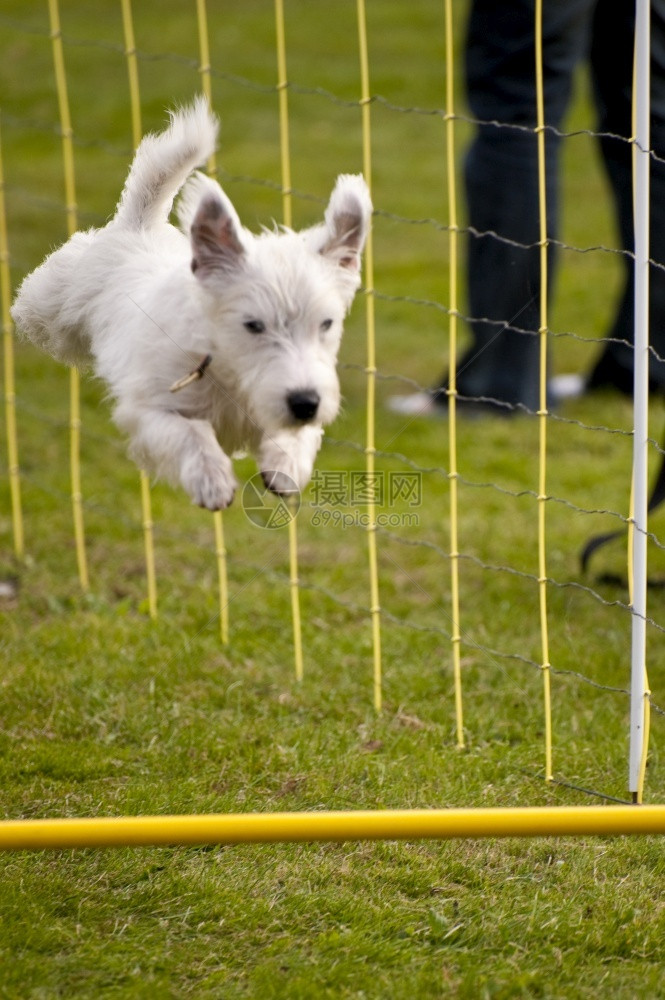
[257, 318]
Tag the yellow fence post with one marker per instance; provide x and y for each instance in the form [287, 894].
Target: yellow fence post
[453, 474]
[9, 377]
[137, 131]
[370, 448]
[72, 226]
[285, 153]
[542, 410]
[218, 520]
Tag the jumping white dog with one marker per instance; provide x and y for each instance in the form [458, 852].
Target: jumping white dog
[257, 320]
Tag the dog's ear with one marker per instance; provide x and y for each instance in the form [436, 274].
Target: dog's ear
[215, 234]
[347, 221]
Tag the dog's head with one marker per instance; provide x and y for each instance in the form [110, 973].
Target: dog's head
[278, 300]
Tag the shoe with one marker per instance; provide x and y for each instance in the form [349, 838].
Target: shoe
[560, 388]
[418, 404]
[435, 404]
[563, 387]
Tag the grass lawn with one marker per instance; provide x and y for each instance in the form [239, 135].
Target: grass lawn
[105, 712]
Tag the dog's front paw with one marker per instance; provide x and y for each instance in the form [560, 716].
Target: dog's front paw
[286, 460]
[280, 483]
[212, 485]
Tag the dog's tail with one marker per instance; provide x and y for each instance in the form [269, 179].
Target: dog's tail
[162, 164]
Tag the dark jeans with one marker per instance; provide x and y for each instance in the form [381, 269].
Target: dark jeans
[501, 174]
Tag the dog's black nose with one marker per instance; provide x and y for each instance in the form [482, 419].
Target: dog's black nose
[303, 404]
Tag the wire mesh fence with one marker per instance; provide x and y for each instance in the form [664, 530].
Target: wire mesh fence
[456, 538]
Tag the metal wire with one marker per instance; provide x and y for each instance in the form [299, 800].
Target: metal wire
[543, 580]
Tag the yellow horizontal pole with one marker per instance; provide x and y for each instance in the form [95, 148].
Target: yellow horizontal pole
[408, 824]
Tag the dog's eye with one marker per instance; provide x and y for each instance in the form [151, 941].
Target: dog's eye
[255, 326]
[327, 323]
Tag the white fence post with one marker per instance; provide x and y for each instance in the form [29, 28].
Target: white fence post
[638, 688]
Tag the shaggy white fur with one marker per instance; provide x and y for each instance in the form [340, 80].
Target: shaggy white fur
[144, 303]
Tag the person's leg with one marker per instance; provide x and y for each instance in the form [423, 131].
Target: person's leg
[503, 262]
[502, 185]
[501, 173]
[612, 70]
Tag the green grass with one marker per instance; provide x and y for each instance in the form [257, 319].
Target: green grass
[103, 712]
